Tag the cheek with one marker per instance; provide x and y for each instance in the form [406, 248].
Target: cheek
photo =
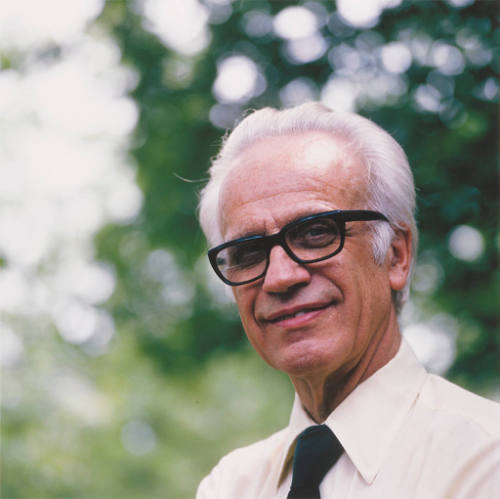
[365, 285]
[245, 301]
[374, 295]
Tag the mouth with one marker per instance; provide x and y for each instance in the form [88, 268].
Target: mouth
[297, 316]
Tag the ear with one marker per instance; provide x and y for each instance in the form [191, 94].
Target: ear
[399, 258]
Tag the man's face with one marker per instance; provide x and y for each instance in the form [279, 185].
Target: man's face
[312, 319]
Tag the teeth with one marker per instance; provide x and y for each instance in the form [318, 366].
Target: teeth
[291, 316]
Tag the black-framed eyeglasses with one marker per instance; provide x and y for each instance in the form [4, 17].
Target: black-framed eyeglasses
[307, 240]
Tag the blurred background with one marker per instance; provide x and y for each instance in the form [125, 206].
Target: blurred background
[125, 371]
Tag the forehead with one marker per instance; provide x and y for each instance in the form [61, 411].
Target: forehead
[281, 178]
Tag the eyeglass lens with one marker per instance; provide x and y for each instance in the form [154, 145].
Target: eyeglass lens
[307, 241]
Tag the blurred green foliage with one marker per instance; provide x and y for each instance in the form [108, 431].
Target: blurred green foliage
[179, 361]
[452, 152]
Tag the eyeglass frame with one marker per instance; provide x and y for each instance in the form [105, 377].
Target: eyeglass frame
[340, 217]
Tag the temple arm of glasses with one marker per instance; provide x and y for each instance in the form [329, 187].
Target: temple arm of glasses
[362, 215]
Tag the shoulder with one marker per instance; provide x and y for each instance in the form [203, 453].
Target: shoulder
[451, 442]
[254, 453]
[242, 467]
[462, 406]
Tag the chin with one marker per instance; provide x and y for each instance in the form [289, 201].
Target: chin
[303, 360]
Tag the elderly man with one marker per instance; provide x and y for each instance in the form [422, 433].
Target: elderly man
[311, 213]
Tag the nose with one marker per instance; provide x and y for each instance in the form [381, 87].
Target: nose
[283, 273]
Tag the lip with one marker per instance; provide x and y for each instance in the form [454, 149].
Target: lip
[287, 317]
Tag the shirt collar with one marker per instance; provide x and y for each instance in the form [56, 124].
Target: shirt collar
[367, 421]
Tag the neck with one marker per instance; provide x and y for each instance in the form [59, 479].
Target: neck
[322, 393]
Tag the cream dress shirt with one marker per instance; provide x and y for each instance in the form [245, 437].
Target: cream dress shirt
[406, 434]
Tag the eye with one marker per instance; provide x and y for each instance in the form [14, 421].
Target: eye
[246, 254]
[314, 234]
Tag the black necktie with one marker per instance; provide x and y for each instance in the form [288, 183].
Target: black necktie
[317, 450]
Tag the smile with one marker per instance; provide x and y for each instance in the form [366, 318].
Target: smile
[297, 316]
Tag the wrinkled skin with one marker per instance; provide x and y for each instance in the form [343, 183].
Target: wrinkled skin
[346, 327]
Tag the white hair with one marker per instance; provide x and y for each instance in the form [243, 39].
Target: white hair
[389, 178]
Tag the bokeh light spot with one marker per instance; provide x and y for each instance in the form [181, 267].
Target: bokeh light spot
[428, 276]
[295, 22]
[490, 88]
[396, 57]
[237, 79]
[14, 290]
[257, 23]
[11, 347]
[89, 281]
[364, 13]
[460, 3]
[447, 58]
[434, 342]
[297, 92]
[224, 115]
[428, 98]
[77, 395]
[466, 243]
[25, 24]
[180, 24]
[78, 322]
[340, 94]
[305, 50]
[138, 437]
